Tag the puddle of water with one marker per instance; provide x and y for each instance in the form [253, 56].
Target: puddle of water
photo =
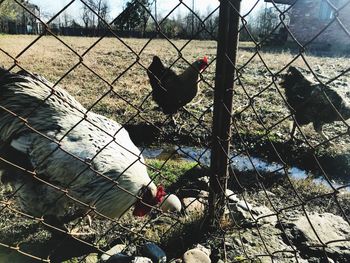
[151, 153]
[240, 163]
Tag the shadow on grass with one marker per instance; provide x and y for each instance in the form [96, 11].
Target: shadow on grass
[31, 243]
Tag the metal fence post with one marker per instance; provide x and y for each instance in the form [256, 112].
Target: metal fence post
[228, 39]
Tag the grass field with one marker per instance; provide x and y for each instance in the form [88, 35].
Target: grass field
[111, 80]
[110, 58]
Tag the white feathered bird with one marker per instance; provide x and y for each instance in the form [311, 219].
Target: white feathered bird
[90, 156]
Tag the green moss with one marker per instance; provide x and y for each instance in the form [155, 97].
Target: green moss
[167, 172]
[271, 136]
[308, 187]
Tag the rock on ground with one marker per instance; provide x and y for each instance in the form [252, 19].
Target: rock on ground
[155, 253]
[195, 256]
[194, 205]
[326, 228]
[141, 260]
[326, 239]
[114, 250]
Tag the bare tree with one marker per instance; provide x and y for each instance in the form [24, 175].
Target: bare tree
[103, 12]
[86, 16]
[145, 14]
[67, 19]
[262, 23]
[195, 24]
[211, 23]
[94, 12]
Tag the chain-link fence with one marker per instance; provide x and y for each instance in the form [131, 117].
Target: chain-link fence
[249, 134]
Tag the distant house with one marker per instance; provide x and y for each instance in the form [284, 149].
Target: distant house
[310, 17]
[29, 22]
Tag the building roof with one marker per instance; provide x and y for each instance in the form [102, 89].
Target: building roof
[287, 2]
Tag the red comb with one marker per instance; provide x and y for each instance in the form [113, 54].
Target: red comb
[205, 59]
[160, 193]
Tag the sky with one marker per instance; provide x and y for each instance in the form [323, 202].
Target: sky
[163, 6]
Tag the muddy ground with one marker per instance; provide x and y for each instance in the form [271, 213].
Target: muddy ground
[235, 242]
[110, 80]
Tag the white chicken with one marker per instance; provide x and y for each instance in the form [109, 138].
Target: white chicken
[71, 157]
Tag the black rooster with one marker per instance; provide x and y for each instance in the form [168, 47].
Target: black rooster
[313, 102]
[171, 91]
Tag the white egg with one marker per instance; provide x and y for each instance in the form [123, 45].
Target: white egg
[171, 203]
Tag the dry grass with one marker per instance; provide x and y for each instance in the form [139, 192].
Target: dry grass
[114, 63]
[109, 58]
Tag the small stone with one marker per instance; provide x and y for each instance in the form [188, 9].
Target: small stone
[244, 205]
[143, 260]
[155, 253]
[120, 258]
[240, 215]
[92, 258]
[231, 196]
[265, 215]
[207, 251]
[193, 205]
[113, 251]
[171, 203]
[205, 179]
[255, 233]
[270, 194]
[237, 241]
[195, 256]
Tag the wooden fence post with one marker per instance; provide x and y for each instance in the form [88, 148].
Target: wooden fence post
[228, 39]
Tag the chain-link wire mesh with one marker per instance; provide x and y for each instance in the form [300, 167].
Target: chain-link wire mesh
[291, 184]
[257, 181]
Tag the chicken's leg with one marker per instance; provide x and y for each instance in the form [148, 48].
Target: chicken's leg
[292, 129]
[319, 129]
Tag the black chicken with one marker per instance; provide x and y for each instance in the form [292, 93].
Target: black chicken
[171, 91]
[313, 102]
